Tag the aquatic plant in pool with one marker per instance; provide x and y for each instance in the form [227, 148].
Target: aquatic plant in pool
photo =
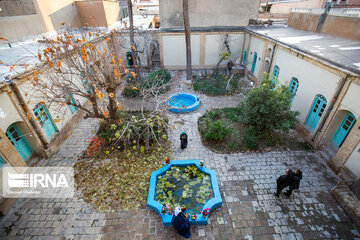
[176, 184]
[183, 186]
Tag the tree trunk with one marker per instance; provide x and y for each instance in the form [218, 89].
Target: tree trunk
[112, 106]
[132, 40]
[187, 40]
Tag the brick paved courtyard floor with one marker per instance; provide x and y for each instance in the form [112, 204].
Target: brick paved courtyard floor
[246, 181]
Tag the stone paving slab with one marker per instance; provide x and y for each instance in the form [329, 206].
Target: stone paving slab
[246, 182]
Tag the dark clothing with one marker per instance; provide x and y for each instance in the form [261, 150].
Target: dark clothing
[295, 183]
[183, 140]
[282, 182]
[181, 224]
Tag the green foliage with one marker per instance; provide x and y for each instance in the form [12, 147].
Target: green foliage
[129, 91]
[250, 139]
[157, 78]
[267, 109]
[216, 85]
[217, 131]
[233, 114]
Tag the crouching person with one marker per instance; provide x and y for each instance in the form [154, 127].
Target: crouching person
[181, 223]
[183, 140]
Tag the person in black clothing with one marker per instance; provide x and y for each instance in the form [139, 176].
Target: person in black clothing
[283, 181]
[295, 182]
[181, 223]
[183, 140]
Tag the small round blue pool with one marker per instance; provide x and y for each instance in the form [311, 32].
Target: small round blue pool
[183, 102]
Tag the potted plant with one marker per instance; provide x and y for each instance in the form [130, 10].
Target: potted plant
[205, 212]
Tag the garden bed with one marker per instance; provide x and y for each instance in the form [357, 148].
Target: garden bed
[215, 85]
[225, 125]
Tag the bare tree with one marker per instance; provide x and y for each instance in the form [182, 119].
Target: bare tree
[187, 40]
[84, 67]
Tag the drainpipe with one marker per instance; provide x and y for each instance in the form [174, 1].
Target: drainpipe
[24, 107]
[323, 17]
[272, 57]
[331, 106]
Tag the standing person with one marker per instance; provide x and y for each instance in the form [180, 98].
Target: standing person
[181, 223]
[283, 181]
[295, 182]
[183, 140]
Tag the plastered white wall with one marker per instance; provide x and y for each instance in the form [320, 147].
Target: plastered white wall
[57, 111]
[351, 100]
[174, 50]
[312, 79]
[8, 112]
[353, 162]
[256, 45]
[213, 47]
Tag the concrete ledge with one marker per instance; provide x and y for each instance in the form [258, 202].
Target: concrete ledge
[349, 202]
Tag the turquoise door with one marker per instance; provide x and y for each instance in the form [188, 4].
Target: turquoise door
[275, 74]
[254, 63]
[294, 84]
[244, 58]
[19, 141]
[343, 129]
[45, 120]
[316, 111]
[2, 162]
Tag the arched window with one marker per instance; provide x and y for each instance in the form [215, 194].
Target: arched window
[275, 73]
[294, 84]
[316, 112]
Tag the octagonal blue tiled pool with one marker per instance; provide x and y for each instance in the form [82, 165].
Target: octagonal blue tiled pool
[211, 203]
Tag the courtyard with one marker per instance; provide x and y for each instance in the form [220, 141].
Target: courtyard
[246, 180]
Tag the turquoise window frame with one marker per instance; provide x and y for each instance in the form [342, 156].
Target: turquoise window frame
[275, 74]
[254, 62]
[2, 162]
[341, 134]
[85, 83]
[317, 110]
[293, 87]
[69, 98]
[244, 58]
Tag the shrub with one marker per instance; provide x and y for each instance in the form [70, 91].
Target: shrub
[267, 109]
[215, 85]
[250, 139]
[157, 78]
[217, 131]
[232, 114]
[129, 91]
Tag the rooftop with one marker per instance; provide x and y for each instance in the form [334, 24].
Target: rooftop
[342, 53]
